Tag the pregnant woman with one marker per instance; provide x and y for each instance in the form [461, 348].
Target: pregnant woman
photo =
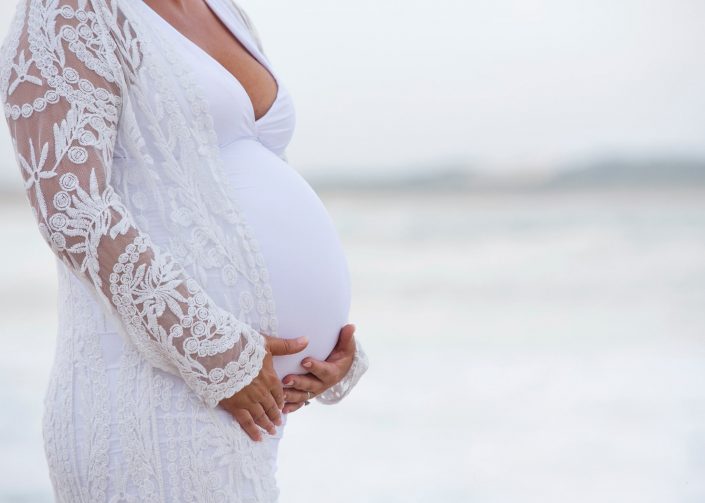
[203, 290]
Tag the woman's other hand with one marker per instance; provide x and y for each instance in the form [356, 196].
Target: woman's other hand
[322, 374]
[260, 402]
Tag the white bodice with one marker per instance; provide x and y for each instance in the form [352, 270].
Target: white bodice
[230, 105]
[134, 146]
[304, 256]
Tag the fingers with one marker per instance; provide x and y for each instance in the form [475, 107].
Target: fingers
[262, 419]
[295, 399]
[278, 394]
[295, 395]
[345, 344]
[305, 382]
[273, 411]
[291, 407]
[345, 337]
[244, 418]
[280, 346]
[326, 372]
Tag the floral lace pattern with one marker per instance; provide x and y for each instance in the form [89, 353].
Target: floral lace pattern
[63, 104]
[80, 80]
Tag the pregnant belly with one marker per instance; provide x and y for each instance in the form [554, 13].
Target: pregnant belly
[307, 266]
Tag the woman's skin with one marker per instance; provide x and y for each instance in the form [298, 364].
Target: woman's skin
[195, 20]
[264, 399]
[322, 374]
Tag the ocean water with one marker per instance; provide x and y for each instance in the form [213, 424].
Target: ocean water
[537, 347]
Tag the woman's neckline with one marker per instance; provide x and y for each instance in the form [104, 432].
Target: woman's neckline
[244, 41]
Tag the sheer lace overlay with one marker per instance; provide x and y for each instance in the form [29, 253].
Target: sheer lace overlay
[121, 168]
[62, 101]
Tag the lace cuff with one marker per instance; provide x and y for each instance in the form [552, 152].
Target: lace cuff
[336, 393]
[174, 322]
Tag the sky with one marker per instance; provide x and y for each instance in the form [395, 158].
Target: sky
[504, 84]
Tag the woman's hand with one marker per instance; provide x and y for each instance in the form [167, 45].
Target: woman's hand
[322, 374]
[260, 402]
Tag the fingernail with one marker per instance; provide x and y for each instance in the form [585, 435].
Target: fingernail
[302, 339]
[289, 382]
[307, 364]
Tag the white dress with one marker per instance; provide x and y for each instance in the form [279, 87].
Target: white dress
[118, 425]
[307, 266]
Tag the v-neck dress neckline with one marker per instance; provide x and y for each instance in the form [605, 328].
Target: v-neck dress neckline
[243, 40]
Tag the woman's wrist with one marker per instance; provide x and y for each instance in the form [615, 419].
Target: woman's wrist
[360, 364]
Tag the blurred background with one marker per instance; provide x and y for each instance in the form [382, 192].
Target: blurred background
[520, 188]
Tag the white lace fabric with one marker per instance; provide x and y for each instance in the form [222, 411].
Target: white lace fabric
[63, 100]
[79, 81]
[63, 103]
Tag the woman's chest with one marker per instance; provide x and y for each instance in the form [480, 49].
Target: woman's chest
[232, 108]
[199, 23]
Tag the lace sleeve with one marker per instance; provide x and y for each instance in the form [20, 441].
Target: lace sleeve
[336, 393]
[62, 103]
